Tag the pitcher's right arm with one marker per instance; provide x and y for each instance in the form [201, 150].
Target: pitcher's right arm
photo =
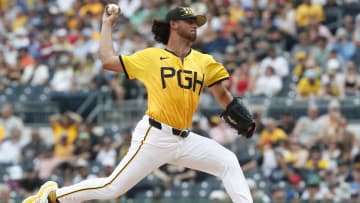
[108, 57]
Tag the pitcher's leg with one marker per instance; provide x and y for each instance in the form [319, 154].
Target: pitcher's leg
[206, 155]
[140, 161]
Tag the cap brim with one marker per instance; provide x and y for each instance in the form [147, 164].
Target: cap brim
[200, 20]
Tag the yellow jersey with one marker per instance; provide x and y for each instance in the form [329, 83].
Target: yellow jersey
[305, 12]
[173, 85]
[267, 137]
[305, 89]
[71, 131]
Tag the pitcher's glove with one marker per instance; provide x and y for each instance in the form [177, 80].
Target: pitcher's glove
[239, 118]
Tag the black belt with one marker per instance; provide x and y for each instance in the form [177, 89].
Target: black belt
[177, 132]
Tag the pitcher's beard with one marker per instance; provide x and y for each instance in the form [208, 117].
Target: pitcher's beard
[191, 36]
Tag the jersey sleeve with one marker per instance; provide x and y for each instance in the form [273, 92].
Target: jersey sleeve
[215, 72]
[134, 64]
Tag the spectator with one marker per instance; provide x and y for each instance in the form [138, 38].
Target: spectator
[220, 131]
[257, 194]
[36, 74]
[307, 127]
[108, 167]
[84, 74]
[197, 128]
[63, 148]
[333, 14]
[68, 123]
[84, 148]
[316, 163]
[332, 152]
[300, 66]
[296, 154]
[305, 11]
[347, 139]
[15, 173]
[85, 45]
[113, 80]
[83, 172]
[8, 120]
[35, 147]
[30, 182]
[287, 122]
[25, 60]
[62, 80]
[343, 46]
[269, 84]
[294, 191]
[46, 163]
[349, 26]
[65, 173]
[316, 28]
[343, 171]
[330, 122]
[320, 51]
[131, 7]
[92, 8]
[61, 42]
[315, 191]
[332, 82]
[21, 38]
[10, 149]
[107, 152]
[278, 194]
[253, 66]
[351, 83]
[309, 86]
[236, 11]
[271, 134]
[277, 62]
[303, 44]
[240, 80]
[286, 20]
[10, 54]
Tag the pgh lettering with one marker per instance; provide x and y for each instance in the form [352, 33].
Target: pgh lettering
[186, 79]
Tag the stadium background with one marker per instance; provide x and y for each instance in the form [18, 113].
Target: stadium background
[296, 66]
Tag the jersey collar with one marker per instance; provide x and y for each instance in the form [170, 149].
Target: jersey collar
[173, 53]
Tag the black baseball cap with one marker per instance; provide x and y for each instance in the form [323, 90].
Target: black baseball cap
[179, 13]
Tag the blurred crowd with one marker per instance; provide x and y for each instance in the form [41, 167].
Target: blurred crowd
[315, 158]
[288, 48]
[302, 48]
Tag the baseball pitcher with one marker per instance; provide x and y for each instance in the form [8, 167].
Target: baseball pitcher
[174, 77]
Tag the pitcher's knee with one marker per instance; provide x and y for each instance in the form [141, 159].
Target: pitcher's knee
[230, 161]
[113, 190]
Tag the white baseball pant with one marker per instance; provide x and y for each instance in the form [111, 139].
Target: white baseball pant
[150, 148]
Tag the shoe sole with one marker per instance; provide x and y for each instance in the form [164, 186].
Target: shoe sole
[41, 196]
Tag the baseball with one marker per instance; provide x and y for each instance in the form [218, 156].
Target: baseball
[112, 9]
